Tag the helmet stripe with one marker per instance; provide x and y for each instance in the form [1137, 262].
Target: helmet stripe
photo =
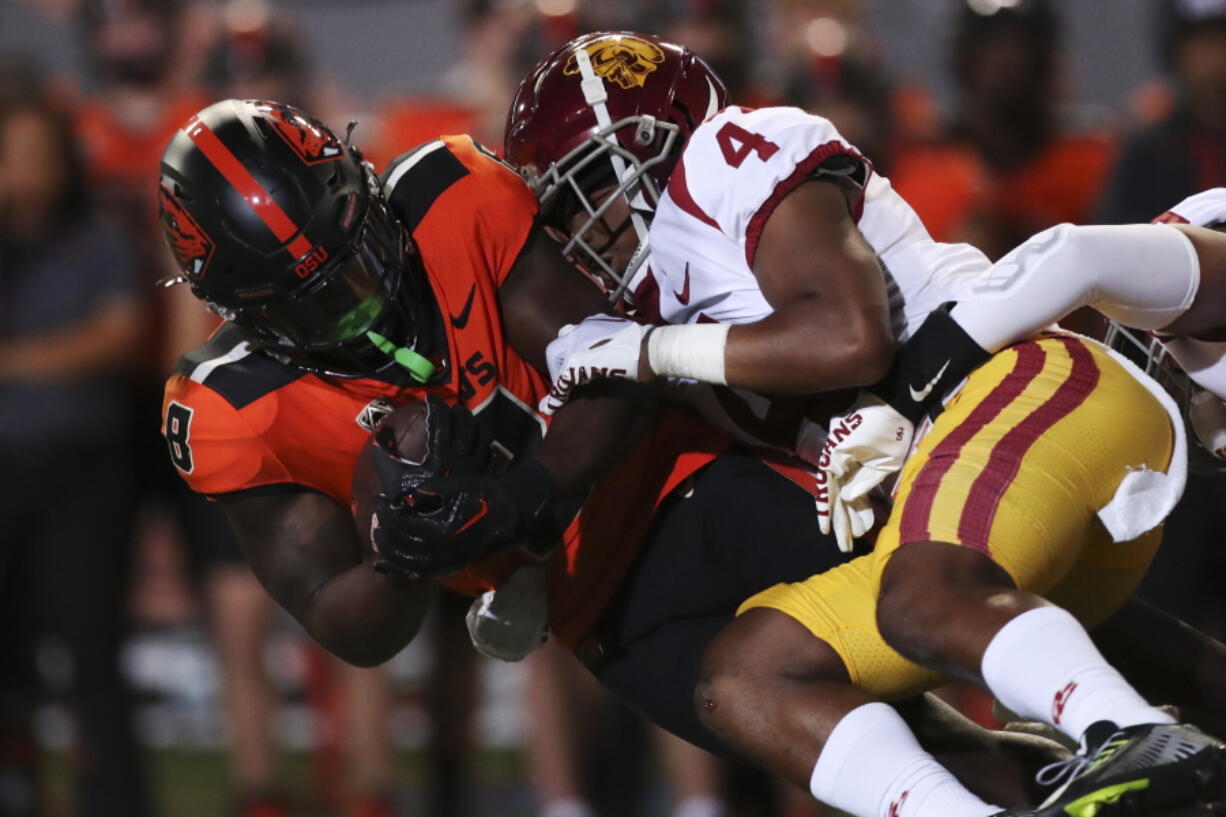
[254, 193]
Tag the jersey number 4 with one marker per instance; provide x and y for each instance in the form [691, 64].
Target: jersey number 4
[736, 144]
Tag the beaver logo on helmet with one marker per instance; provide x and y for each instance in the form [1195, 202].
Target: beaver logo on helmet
[310, 140]
[192, 248]
[626, 61]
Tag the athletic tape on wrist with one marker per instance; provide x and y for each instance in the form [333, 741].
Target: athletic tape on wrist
[694, 350]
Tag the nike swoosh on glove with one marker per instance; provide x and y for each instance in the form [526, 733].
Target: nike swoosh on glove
[863, 448]
[599, 346]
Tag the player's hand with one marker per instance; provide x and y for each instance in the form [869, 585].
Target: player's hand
[455, 443]
[863, 448]
[1204, 209]
[444, 524]
[1207, 413]
[600, 346]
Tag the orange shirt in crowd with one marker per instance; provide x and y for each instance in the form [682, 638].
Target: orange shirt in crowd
[960, 198]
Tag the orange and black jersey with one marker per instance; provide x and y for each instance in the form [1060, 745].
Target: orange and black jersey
[236, 420]
[239, 420]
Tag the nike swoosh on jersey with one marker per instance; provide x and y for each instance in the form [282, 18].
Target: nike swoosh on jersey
[461, 320]
[918, 395]
[684, 295]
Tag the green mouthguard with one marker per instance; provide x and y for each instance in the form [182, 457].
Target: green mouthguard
[420, 368]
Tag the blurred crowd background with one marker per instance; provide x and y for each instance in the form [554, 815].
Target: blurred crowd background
[143, 671]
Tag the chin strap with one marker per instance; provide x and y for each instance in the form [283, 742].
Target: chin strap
[419, 367]
[595, 96]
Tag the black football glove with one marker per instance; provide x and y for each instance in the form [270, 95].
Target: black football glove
[455, 443]
[446, 523]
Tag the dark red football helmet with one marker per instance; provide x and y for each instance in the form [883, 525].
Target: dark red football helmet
[607, 111]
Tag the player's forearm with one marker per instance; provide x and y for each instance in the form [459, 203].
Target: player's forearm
[364, 617]
[592, 433]
[303, 548]
[809, 346]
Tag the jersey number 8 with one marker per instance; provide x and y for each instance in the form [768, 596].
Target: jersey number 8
[178, 427]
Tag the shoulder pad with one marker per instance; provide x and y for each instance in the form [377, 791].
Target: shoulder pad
[414, 180]
[229, 365]
[740, 163]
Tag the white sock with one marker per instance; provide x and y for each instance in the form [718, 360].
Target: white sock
[872, 766]
[700, 807]
[566, 808]
[1043, 665]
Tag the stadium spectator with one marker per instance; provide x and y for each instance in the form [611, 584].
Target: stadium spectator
[69, 326]
[1186, 151]
[1007, 166]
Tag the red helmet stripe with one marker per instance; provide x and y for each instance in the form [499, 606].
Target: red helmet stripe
[260, 200]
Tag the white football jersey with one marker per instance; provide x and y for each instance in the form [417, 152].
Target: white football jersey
[735, 168]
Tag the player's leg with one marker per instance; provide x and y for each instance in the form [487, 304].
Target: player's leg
[738, 529]
[997, 510]
[658, 674]
[794, 684]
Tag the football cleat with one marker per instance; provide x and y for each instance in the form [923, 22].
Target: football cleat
[1139, 770]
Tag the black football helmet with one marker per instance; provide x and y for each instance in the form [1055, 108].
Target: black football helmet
[282, 228]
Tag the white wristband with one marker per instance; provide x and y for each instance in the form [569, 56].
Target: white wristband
[694, 350]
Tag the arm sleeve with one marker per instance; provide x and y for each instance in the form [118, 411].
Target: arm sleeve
[741, 163]
[1141, 275]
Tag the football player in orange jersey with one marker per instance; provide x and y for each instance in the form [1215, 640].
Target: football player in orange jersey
[346, 295]
[336, 313]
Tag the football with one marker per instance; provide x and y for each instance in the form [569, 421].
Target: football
[408, 426]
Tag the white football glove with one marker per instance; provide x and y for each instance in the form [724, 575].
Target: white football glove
[598, 346]
[1207, 414]
[862, 449]
[1203, 209]
[512, 622]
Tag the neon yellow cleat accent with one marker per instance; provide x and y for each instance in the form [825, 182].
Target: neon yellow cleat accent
[1089, 805]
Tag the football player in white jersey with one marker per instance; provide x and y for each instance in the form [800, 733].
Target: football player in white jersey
[766, 281]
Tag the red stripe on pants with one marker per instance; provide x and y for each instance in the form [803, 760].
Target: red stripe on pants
[917, 512]
[1006, 457]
